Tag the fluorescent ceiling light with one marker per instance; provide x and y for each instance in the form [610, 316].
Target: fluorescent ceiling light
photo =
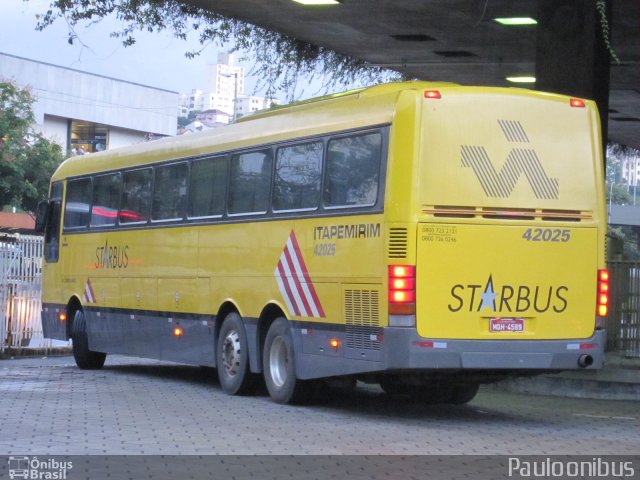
[522, 79]
[514, 21]
[317, 2]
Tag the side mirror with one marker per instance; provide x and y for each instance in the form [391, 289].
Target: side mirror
[42, 214]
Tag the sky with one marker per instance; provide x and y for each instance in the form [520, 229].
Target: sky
[155, 60]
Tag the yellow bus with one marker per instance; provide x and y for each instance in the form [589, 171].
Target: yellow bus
[428, 237]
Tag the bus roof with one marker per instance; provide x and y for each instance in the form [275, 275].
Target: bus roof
[306, 118]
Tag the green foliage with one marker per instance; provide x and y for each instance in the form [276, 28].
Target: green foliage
[184, 121]
[618, 195]
[280, 60]
[27, 159]
[629, 240]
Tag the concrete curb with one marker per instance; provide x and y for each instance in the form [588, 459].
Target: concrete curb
[11, 353]
[561, 386]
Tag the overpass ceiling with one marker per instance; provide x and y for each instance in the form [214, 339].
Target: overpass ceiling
[448, 40]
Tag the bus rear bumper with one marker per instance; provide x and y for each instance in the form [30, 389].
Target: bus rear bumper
[405, 350]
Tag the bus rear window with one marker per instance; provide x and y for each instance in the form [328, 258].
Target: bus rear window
[170, 192]
[207, 187]
[298, 175]
[249, 182]
[353, 170]
[136, 196]
[106, 197]
[77, 204]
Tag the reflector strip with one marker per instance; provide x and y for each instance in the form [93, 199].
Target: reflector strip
[429, 344]
[581, 346]
[294, 282]
[89, 296]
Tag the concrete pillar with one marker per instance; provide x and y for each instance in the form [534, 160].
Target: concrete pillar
[571, 55]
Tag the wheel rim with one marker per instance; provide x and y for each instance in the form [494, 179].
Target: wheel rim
[231, 353]
[278, 361]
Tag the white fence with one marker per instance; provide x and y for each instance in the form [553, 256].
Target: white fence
[20, 286]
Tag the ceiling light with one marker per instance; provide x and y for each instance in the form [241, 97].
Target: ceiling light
[515, 21]
[522, 79]
[317, 2]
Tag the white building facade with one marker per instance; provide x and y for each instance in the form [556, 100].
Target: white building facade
[224, 92]
[84, 112]
[631, 170]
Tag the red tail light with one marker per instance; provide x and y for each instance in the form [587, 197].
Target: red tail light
[602, 305]
[433, 94]
[402, 289]
[576, 102]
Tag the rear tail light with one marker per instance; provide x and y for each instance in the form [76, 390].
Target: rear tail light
[402, 289]
[578, 103]
[602, 305]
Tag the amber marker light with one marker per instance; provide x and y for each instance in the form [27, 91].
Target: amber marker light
[62, 317]
[334, 343]
[178, 332]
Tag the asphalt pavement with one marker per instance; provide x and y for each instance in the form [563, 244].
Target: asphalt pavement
[619, 379]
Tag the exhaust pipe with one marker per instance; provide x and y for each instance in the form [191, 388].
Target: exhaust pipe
[585, 361]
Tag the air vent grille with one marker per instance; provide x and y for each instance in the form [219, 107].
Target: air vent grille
[547, 215]
[398, 238]
[362, 316]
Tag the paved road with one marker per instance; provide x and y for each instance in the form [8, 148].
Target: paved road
[133, 406]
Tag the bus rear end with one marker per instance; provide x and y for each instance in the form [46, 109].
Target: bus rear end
[509, 261]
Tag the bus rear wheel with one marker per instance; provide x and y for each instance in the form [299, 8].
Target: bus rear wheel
[85, 359]
[232, 357]
[278, 363]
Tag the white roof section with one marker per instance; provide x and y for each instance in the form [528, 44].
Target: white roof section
[78, 95]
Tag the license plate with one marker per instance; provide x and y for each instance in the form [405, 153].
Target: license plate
[506, 325]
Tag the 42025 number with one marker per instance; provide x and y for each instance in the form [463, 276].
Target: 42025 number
[547, 235]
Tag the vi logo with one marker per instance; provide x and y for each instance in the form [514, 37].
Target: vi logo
[520, 161]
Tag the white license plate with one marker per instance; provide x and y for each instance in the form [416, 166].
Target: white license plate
[506, 325]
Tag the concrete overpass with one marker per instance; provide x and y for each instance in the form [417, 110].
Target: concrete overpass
[460, 41]
[628, 215]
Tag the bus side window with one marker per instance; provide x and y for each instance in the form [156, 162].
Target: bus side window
[353, 170]
[77, 204]
[136, 196]
[52, 230]
[207, 187]
[297, 178]
[249, 182]
[170, 192]
[106, 197]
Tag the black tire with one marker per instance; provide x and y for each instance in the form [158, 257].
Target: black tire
[232, 357]
[85, 358]
[461, 394]
[393, 386]
[278, 364]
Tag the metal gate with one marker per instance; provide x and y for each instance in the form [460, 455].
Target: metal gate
[623, 322]
[20, 288]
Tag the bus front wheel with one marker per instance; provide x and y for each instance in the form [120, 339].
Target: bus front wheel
[85, 358]
[278, 363]
[232, 357]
